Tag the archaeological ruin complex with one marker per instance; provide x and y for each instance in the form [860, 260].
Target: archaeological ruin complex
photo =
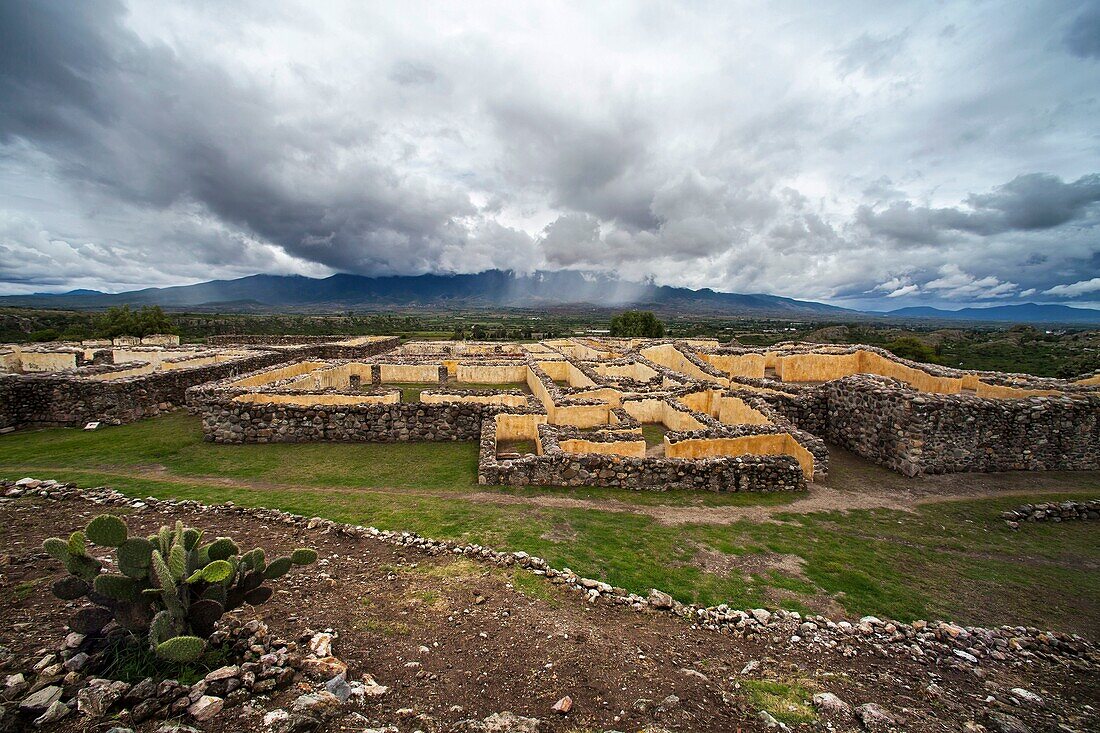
[629, 413]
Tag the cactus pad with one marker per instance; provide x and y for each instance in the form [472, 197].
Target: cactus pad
[256, 596]
[91, 620]
[222, 548]
[181, 648]
[202, 616]
[117, 587]
[69, 588]
[303, 556]
[57, 548]
[107, 530]
[278, 568]
[76, 543]
[191, 538]
[134, 557]
[217, 571]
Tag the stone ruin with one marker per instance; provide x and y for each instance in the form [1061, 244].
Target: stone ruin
[667, 413]
[69, 385]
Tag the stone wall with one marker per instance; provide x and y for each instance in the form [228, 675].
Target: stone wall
[558, 468]
[228, 421]
[259, 339]
[914, 433]
[71, 400]
[1061, 511]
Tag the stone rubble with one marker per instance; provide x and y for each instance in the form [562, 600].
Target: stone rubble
[1061, 511]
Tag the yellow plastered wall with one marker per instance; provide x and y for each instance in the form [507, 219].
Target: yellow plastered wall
[409, 372]
[309, 400]
[556, 370]
[188, 363]
[611, 396]
[1089, 381]
[580, 416]
[576, 377]
[338, 377]
[705, 401]
[735, 411]
[520, 427]
[46, 361]
[670, 357]
[123, 373]
[777, 444]
[996, 391]
[274, 375]
[509, 400]
[635, 370]
[491, 374]
[629, 448]
[659, 411]
[737, 365]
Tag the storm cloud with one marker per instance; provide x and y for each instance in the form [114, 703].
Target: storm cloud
[867, 156]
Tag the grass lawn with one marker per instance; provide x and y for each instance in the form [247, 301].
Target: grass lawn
[950, 559]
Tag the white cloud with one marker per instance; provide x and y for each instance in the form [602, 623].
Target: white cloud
[1078, 288]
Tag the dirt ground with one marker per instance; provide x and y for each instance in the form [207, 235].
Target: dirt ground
[455, 640]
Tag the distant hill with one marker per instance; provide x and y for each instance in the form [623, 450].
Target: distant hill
[485, 289]
[1023, 313]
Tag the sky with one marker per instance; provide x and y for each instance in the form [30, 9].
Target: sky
[866, 154]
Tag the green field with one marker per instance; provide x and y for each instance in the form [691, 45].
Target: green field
[953, 559]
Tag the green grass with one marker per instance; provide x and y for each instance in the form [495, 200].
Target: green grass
[788, 702]
[946, 560]
[654, 434]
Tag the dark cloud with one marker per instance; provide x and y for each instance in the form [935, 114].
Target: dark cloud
[1030, 202]
[1083, 35]
[821, 152]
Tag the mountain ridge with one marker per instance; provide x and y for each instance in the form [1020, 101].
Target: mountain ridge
[503, 288]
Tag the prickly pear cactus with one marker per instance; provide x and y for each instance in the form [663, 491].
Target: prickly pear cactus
[169, 586]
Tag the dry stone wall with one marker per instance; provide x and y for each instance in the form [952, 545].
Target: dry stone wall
[914, 433]
[71, 400]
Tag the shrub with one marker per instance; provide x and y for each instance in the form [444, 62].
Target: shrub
[169, 586]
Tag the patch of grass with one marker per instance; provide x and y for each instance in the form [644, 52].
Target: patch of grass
[533, 586]
[382, 626]
[25, 589]
[953, 560]
[654, 433]
[788, 702]
[131, 660]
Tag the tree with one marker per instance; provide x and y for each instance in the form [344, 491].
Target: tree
[637, 324]
[122, 321]
[910, 347]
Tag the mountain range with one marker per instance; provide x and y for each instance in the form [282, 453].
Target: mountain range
[504, 289]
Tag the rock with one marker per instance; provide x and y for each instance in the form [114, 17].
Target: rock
[76, 662]
[118, 729]
[761, 615]
[13, 680]
[54, 712]
[324, 668]
[322, 703]
[339, 687]
[372, 688]
[508, 722]
[875, 718]
[98, 697]
[1005, 723]
[769, 721]
[321, 645]
[174, 726]
[38, 702]
[222, 673]
[659, 599]
[752, 666]
[831, 705]
[1027, 697]
[205, 708]
[563, 705]
[280, 721]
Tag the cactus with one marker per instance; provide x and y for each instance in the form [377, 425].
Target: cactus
[169, 587]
